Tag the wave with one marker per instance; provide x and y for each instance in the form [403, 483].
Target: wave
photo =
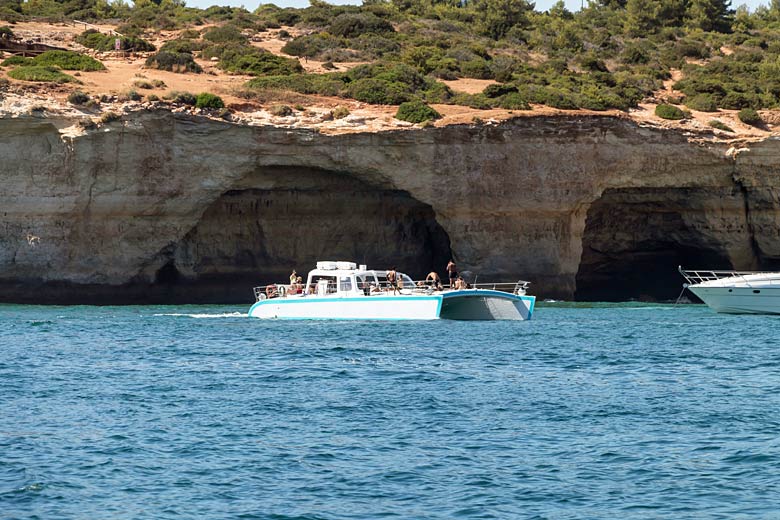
[201, 316]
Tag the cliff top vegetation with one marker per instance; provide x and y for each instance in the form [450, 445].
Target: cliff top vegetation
[702, 55]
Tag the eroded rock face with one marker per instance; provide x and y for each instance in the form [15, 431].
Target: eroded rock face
[170, 207]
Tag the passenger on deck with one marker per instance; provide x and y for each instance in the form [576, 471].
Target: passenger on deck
[452, 272]
[460, 283]
[293, 277]
[295, 285]
[271, 291]
[392, 279]
[433, 281]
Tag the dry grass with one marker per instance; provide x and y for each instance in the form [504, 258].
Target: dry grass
[265, 96]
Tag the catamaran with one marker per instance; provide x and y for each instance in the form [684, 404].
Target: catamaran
[346, 291]
[736, 292]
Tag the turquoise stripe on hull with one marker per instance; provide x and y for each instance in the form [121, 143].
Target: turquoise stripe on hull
[439, 298]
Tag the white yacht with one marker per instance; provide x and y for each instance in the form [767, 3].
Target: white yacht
[736, 292]
[345, 291]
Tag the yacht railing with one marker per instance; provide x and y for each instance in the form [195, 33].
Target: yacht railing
[697, 276]
[271, 291]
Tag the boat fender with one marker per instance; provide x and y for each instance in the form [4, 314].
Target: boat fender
[262, 297]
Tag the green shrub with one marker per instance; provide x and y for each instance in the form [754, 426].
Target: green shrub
[108, 117]
[13, 61]
[224, 34]
[105, 42]
[173, 61]
[87, 124]
[43, 74]
[739, 100]
[182, 45]
[6, 32]
[245, 59]
[143, 84]
[9, 15]
[702, 103]
[340, 112]
[68, 60]
[311, 45]
[498, 90]
[183, 98]
[207, 100]
[416, 111]
[635, 54]
[476, 101]
[152, 97]
[78, 98]
[383, 84]
[378, 91]
[281, 110]
[749, 116]
[720, 125]
[133, 95]
[513, 101]
[669, 112]
[351, 25]
[477, 69]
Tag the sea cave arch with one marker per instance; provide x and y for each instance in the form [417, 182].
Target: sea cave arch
[282, 218]
[635, 238]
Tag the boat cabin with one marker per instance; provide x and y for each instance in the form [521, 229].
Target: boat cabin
[348, 279]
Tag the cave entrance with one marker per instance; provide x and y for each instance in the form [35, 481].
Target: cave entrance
[635, 238]
[258, 235]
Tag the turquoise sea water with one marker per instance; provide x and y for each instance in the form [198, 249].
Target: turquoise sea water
[587, 411]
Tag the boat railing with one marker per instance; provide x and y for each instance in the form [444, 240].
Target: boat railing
[271, 291]
[519, 287]
[275, 290]
[697, 276]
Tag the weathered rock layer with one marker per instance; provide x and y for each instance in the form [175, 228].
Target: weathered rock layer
[165, 207]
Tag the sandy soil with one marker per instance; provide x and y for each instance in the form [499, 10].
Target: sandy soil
[469, 85]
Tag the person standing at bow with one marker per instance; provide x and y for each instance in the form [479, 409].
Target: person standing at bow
[452, 273]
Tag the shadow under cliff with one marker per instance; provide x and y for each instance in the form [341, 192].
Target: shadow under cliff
[253, 236]
[635, 239]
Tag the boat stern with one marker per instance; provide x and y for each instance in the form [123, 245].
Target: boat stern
[480, 304]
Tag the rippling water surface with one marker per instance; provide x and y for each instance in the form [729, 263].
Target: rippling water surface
[587, 411]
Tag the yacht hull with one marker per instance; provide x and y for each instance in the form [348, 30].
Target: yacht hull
[455, 305]
[740, 300]
[486, 305]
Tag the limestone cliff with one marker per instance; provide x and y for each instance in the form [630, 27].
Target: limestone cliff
[164, 207]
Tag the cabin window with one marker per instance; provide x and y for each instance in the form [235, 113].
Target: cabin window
[324, 285]
[346, 284]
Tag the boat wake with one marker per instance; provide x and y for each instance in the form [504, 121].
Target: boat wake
[201, 316]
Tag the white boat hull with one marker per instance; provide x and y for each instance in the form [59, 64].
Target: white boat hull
[740, 300]
[456, 305]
